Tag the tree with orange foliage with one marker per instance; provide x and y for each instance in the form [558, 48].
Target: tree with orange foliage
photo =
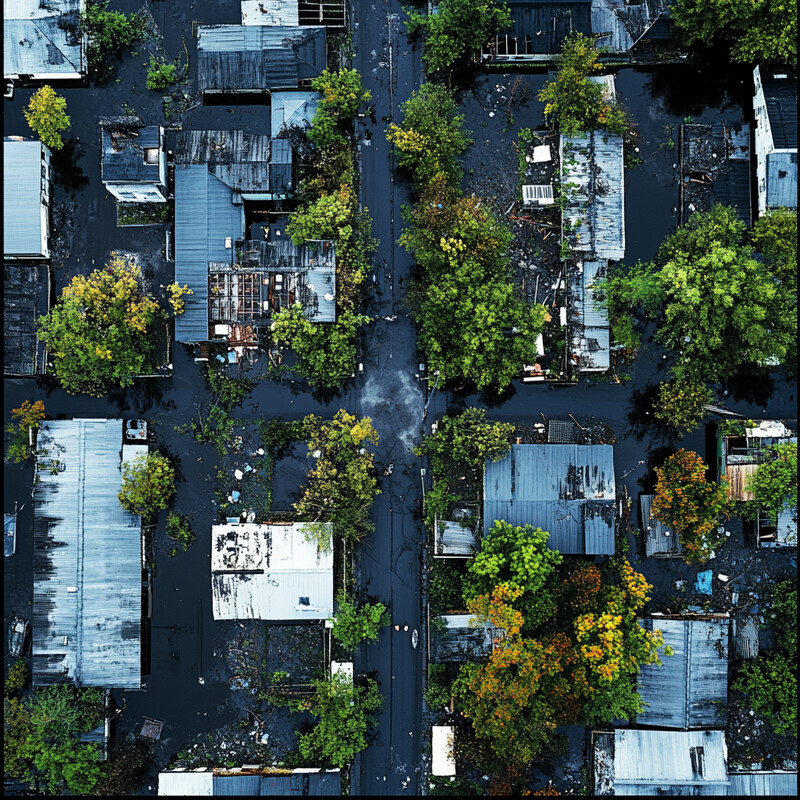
[685, 500]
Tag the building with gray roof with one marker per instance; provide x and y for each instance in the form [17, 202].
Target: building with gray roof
[775, 107]
[26, 297]
[250, 781]
[87, 560]
[26, 199]
[659, 539]
[761, 783]
[42, 40]
[331, 13]
[649, 763]
[250, 59]
[587, 321]
[462, 637]
[567, 490]
[133, 161]
[271, 572]
[292, 110]
[689, 689]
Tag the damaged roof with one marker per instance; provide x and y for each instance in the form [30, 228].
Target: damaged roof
[595, 210]
[123, 158]
[240, 58]
[690, 688]
[463, 638]
[26, 297]
[41, 39]
[659, 540]
[87, 560]
[567, 490]
[590, 338]
[248, 782]
[269, 572]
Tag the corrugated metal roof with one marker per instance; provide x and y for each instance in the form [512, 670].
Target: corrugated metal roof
[690, 688]
[461, 641]
[782, 180]
[185, 783]
[204, 217]
[780, 95]
[41, 38]
[292, 109]
[123, 157]
[744, 633]
[453, 539]
[661, 762]
[767, 784]
[596, 209]
[567, 490]
[659, 539]
[270, 12]
[262, 571]
[590, 335]
[26, 297]
[87, 560]
[227, 783]
[254, 58]
[23, 224]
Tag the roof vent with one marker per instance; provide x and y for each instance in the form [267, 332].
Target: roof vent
[697, 755]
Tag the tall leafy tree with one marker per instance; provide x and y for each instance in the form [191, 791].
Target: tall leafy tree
[148, 484]
[774, 235]
[46, 113]
[343, 94]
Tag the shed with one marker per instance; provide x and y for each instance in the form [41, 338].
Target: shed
[462, 637]
[647, 762]
[269, 572]
[270, 12]
[782, 533]
[258, 58]
[595, 210]
[659, 539]
[250, 781]
[133, 163]
[744, 634]
[777, 783]
[567, 490]
[453, 539]
[588, 326]
[292, 109]
[87, 565]
[690, 688]
[26, 297]
[26, 199]
[42, 41]
[443, 759]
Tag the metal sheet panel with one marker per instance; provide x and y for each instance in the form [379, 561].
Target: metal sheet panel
[292, 109]
[461, 641]
[184, 784]
[23, 225]
[122, 159]
[766, 784]
[659, 539]
[782, 180]
[87, 561]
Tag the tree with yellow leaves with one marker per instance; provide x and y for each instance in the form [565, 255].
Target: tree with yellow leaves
[46, 114]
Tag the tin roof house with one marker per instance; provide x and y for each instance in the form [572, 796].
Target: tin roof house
[250, 781]
[538, 27]
[270, 572]
[248, 59]
[87, 563]
[42, 40]
[133, 162]
[26, 199]
[292, 110]
[739, 455]
[567, 490]
[775, 107]
[689, 689]
[26, 297]
[649, 762]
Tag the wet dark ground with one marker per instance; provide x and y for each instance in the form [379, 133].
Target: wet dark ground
[187, 645]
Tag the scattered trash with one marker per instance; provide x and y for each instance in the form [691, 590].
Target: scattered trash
[201, 680]
[723, 578]
[235, 495]
[703, 583]
[680, 585]
[238, 474]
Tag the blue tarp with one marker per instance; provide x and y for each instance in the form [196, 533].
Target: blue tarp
[703, 583]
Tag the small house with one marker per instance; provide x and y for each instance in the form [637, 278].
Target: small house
[270, 572]
[660, 540]
[775, 107]
[88, 565]
[43, 40]
[443, 758]
[254, 59]
[567, 490]
[250, 781]
[689, 689]
[648, 762]
[133, 161]
[587, 319]
[26, 199]
[462, 637]
[764, 783]
[26, 297]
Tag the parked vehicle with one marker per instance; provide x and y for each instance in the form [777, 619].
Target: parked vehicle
[135, 430]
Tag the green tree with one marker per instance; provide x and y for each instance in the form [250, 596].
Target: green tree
[46, 113]
[17, 678]
[179, 529]
[764, 31]
[353, 624]
[685, 500]
[330, 217]
[27, 416]
[572, 101]
[431, 137]
[774, 484]
[457, 30]
[109, 32]
[343, 95]
[161, 74]
[100, 333]
[774, 235]
[681, 403]
[341, 486]
[345, 716]
[148, 484]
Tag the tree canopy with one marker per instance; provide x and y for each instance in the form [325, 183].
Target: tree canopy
[46, 113]
[148, 484]
[353, 624]
[774, 484]
[343, 95]
[774, 235]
